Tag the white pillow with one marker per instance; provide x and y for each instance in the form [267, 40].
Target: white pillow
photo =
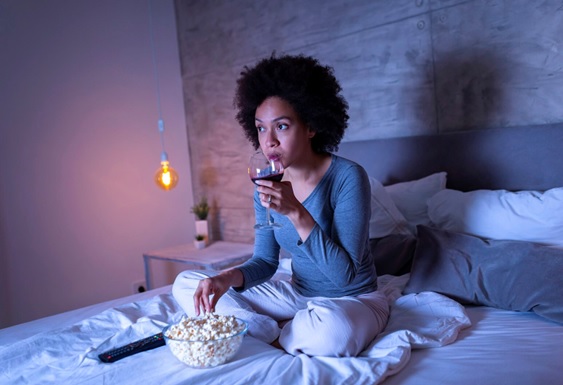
[500, 214]
[385, 217]
[411, 197]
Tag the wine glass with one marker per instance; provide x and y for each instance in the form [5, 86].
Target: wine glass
[261, 167]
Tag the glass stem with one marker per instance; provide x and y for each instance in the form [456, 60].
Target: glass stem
[268, 220]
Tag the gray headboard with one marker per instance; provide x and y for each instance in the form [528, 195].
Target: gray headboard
[515, 158]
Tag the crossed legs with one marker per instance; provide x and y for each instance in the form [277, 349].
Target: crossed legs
[318, 326]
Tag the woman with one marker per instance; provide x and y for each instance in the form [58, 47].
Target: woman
[291, 108]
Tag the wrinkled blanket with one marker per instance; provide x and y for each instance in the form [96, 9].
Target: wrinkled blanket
[69, 355]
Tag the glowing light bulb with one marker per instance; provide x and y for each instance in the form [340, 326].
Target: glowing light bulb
[166, 177]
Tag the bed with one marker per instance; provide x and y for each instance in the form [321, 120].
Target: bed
[475, 298]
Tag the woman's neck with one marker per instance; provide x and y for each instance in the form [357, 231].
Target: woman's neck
[310, 170]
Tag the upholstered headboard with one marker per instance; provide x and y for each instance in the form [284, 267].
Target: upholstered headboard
[515, 158]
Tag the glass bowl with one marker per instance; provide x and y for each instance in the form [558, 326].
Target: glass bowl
[203, 352]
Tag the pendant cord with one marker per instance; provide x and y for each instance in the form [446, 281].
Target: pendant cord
[156, 82]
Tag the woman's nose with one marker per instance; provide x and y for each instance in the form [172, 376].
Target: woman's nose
[271, 139]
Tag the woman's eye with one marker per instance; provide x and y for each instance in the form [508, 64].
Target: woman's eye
[260, 128]
[282, 126]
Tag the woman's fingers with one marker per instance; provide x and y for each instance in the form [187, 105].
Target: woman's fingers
[208, 292]
[266, 199]
[271, 193]
[204, 291]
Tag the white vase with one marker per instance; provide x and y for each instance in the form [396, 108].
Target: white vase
[199, 244]
[202, 228]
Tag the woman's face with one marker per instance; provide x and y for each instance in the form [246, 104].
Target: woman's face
[281, 133]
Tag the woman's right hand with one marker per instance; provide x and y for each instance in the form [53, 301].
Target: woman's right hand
[209, 290]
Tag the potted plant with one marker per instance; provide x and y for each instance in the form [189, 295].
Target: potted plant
[201, 211]
[199, 241]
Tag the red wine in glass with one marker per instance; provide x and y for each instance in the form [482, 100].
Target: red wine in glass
[274, 177]
[262, 168]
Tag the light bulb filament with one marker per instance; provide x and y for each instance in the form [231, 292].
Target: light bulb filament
[166, 177]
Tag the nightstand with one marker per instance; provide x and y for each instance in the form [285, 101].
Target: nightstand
[217, 256]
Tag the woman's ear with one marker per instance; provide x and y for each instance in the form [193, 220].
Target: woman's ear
[311, 133]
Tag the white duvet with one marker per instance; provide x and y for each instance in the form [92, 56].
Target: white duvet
[68, 355]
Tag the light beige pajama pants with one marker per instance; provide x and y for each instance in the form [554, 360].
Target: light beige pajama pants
[317, 326]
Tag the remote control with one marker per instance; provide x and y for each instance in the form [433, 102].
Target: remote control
[147, 343]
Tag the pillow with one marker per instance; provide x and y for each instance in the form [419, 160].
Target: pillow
[393, 254]
[500, 214]
[385, 217]
[510, 275]
[411, 197]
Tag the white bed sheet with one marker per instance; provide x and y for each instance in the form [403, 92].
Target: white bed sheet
[19, 332]
[68, 353]
[500, 348]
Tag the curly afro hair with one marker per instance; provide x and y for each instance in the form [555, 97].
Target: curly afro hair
[309, 87]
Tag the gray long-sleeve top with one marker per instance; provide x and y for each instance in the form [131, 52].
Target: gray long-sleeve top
[335, 259]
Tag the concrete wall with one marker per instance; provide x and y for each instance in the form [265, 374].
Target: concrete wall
[79, 146]
[407, 67]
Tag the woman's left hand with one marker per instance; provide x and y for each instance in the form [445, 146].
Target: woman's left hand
[279, 196]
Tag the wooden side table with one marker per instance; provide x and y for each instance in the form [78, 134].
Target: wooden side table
[217, 256]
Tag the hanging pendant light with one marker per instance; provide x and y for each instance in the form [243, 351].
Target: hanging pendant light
[166, 177]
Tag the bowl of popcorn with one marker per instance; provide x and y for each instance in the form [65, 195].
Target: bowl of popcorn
[205, 342]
